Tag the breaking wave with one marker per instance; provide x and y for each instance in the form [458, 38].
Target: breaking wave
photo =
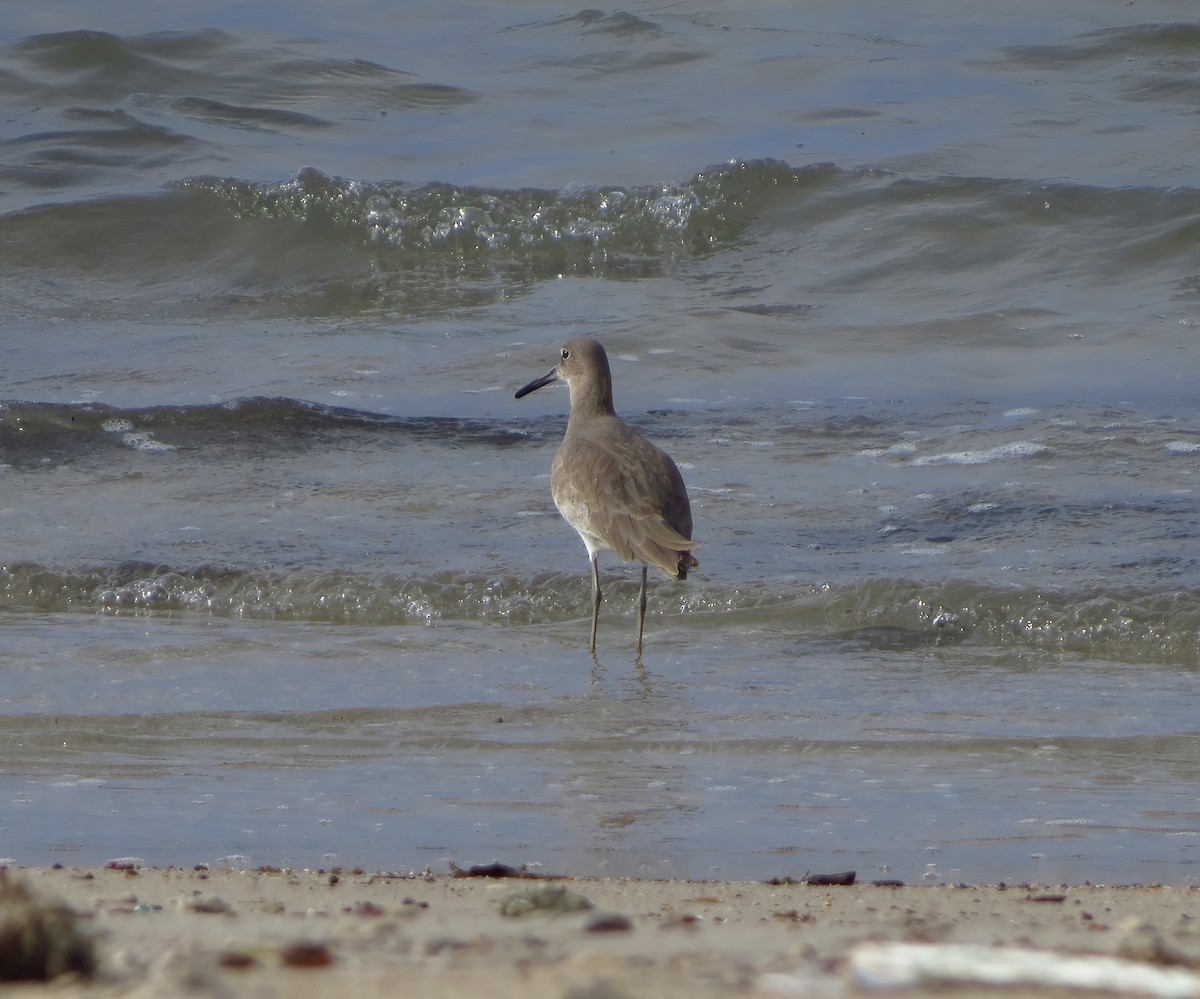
[876, 614]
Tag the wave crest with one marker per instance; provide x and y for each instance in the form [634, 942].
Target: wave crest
[876, 614]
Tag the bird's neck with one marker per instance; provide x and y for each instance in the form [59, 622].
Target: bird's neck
[592, 399]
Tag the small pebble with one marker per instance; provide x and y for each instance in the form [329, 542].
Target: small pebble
[208, 903]
[547, 899]
[609, 922]
[305, 954]
[235, 960]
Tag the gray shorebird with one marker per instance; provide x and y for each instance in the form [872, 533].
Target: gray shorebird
[618, 490]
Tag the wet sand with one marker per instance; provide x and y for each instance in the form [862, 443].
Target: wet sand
[310, 933]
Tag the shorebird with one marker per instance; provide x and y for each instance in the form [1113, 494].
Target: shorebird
[619, 491]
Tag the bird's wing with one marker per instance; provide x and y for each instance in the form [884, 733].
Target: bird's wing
[632, 495]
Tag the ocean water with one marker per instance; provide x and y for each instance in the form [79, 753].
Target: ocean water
[911, 294]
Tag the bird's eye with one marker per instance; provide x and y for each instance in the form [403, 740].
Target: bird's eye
[565, 353]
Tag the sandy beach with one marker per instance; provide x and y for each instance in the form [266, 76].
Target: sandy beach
[315, 933]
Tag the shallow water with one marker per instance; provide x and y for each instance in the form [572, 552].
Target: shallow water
[913, 309]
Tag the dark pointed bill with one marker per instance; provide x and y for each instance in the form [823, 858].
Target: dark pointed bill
[537, 383]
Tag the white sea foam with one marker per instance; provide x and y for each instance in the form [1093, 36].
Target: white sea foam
[1016, 449]
[141, 441]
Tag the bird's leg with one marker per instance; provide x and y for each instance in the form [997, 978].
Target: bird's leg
[595, 597]
[641, 614]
